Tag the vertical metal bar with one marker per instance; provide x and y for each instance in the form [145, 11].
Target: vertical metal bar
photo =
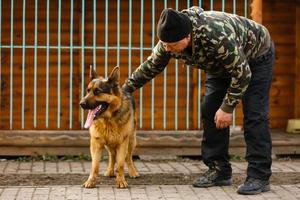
[11, 61]
[58, 63]
[165, 87]
[94, 34]
[118, 32]
[23, 61]
[200, 3]
[106, 36]
[129, 38]
[246, 8]
[223, 5]
[176, 84]
[211, 4]
[234, 6]
[71, 64]
[35, 62]
[82, 58]
[0, 48]
[188, 89]
[47, 65]
[153, 80]
[141, 59]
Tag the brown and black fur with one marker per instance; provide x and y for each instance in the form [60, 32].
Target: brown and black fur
[114, 129]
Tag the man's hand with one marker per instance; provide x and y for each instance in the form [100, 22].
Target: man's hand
[222, 119]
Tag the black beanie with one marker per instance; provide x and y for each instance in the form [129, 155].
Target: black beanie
[173, 26]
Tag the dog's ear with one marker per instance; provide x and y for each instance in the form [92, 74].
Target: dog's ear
[115, 75]
[93, 73]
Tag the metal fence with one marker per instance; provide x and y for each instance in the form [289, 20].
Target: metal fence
[83, 14]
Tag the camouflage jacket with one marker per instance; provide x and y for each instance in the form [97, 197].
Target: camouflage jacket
[222, 43]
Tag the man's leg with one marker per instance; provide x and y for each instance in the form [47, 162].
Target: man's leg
[215, 141]
[256, 125]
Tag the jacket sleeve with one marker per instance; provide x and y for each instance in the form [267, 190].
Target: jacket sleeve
[231, 57]
[154, 64]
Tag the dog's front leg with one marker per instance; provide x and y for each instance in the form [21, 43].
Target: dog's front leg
[121, 154]
[96, 149]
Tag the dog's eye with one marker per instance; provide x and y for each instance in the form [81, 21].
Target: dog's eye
[97, 91]
[88, 90]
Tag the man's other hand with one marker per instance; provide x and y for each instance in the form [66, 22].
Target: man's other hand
[222, 119]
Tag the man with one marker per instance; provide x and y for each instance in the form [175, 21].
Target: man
[237, 54]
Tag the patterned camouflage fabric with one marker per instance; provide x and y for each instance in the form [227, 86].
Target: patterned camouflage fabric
[222, 43]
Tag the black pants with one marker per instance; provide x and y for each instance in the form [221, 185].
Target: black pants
[256, 122]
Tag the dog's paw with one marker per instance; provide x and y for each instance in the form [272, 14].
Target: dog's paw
[109, 173]
[134, 174]
[121, 183]
[90, 183]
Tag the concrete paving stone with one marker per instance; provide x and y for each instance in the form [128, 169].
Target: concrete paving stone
[292, 165]
[12, 167]
[238, 167]
[282, 167]
[275, 169]
[192, 167]
[74, 193]
[9, 193]
[203, 193]
[41, 193]
[3, 165]
[186, 192]
[38, 167]
[103, 166]
[25, 165]
[179, 167]
[218, 193]
[57, 193]
[141, 167]
[231, 192]
[122, 193]
[64, 167]
[166, 168]
[153, 167]
[76, 167]
[87, 167]
[50, 167]
[90, 194]
[154, 192]
[170, 191]
[106, 193]
[25, 193]
[282, 193]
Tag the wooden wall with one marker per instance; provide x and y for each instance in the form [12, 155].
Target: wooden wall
[280, 23]
[297, 71]
[280, 18]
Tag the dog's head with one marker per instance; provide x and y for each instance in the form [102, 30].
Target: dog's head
[103, 96]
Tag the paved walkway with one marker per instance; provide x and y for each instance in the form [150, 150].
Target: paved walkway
[149, 192]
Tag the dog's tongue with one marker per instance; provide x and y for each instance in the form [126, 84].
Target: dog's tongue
[90, 117]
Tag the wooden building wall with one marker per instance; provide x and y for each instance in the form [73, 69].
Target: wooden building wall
[280, 23]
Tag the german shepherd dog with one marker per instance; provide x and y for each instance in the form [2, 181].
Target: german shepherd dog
[112, 125]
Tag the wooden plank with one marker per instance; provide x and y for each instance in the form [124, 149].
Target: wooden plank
[297, 67]
[256, 12]
[148, 142]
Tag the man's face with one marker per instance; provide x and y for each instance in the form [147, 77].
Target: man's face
[177, 47]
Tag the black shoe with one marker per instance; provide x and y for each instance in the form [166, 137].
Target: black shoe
[211, 177]
[254, 186]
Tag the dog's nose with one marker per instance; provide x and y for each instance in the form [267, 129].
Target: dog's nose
[83, 104]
